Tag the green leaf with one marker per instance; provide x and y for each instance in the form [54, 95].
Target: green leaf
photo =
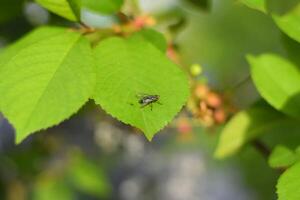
[246, 126]
[45, 78]
[127, 68]
[297, 151]
[154, 37]
[75, 5]
[103, 6]
[49, 187]
[69, 9]
[278, 82]
[290, 23]
[289, 183]
[282, 157]
[88, 177]
[10, 9]
[281, 7]
[255, 4]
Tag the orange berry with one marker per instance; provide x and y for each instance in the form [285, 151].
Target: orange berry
[184, 126]
[201, 91]
[220, 116]
[213, 100]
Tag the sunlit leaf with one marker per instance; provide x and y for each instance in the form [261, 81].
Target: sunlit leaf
[248, 125]
[255, 4]
[154, 37]
[127, 68]
[290, 23]
[278, 82]
[75, 5]
[289, 183]
[282, 157]
[69, 9]
[103, 6]
[45, 78]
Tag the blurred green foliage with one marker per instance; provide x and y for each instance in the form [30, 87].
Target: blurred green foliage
[218, 36]
[10, 9]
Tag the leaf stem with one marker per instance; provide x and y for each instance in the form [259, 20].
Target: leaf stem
[86, 28]
[123, 17]
[84, 25]
[239, 84]
[262, 148]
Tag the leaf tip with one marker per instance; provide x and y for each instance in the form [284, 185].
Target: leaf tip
[19, 137]
[149, 136]
[218, 154]
[250, 58]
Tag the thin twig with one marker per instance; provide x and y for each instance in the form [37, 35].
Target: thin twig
[86, 29]
[262, 148]
[239, 84]
[84, 25]
[123, 17]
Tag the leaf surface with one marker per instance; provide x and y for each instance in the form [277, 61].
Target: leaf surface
[282, 157]
[290, 23]
[127, 68]
[45, 78]
[103, 6]
[255, 4]
[248, 125]
[154, 37]
[278, 82]
[69, 9]
[289, 183]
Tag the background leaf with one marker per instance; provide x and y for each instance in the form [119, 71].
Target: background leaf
[255, 4]
[282, 157]
[68, 9]
[46, 77]
[289, 23]
[126, 68]
[289, 183]
[281, 7]
[10, 9]
[278, 81]
[49, 187]
[103, 6]
[154, 37]
[246, 126]
[88, 177]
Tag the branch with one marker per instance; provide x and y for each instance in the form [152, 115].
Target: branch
[262, 148]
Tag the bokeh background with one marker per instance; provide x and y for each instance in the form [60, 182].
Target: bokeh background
[93, 156]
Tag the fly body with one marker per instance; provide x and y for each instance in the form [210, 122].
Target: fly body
[146, 100]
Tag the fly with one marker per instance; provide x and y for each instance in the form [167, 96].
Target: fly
[145, 100]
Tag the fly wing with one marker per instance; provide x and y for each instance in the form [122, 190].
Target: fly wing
[141, 95]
